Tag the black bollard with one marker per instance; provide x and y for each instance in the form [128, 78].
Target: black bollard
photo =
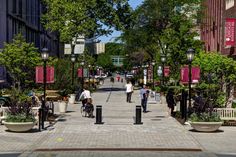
[138, 116]
[40, 118]
[183, 105]
[99, 114]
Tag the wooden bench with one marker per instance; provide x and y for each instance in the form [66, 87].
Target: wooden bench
[226, 113]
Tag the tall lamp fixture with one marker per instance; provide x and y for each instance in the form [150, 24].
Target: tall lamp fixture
[190, 56]
[163, 60]
[89, 68]
[153, 74]
[44, 56]
[73, 58]
[82, 80]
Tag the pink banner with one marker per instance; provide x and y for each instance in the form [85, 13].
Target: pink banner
[195, 75]
[166, 71]
[49, 77]
[230, 32]
[80, 70]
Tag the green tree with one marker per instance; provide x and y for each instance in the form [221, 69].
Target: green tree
[87, 18]
[218, 74]
[104, 60]
[115, 49]
[20, 59]
[164, 27]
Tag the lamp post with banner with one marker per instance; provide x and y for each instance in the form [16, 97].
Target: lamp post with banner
[190, 56]
[44, 56]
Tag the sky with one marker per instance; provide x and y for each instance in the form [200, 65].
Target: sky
[110, 38]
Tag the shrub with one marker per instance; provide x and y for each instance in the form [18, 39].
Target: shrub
[20, 112]
[205, 117]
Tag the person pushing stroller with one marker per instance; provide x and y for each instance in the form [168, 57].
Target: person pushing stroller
[86, 99]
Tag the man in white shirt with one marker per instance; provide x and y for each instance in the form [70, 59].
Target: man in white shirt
[129, 91]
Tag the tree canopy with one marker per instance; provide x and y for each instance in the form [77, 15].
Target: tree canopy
[20, 59]
[93, 18]
[164, 27]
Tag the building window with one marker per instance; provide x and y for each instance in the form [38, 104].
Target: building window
[229, 4]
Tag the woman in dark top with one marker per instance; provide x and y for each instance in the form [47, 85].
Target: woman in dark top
[170, 101]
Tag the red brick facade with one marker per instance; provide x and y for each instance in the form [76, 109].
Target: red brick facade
[213, 26]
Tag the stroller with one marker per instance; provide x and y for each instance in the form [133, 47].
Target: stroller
[87, 108]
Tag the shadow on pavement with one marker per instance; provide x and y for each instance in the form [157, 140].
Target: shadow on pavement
[110, 89]
[9, 155]
[217, 131]
[34, 130]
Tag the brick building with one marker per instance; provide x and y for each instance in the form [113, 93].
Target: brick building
[23, 16]
[213, 31]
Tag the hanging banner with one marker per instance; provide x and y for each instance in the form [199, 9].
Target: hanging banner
[184, 75]
[166, 71]
[79, 71]
[230, 32]
[49, 74]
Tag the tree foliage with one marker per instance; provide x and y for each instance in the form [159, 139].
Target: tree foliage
[20, 59]
[216, 71]
[164, 27]
[104, 60]
[115, 49]
[88, 18]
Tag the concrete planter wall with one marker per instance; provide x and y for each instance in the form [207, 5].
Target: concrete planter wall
[19, 127]
[62, 106]
[72, 99]
[206, 126]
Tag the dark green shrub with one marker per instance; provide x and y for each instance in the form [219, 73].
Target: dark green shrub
[205, 117]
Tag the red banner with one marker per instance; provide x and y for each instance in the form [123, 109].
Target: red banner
[79, 71]
[166, 71]
[230, 32]
[49, 74]
[195, 75]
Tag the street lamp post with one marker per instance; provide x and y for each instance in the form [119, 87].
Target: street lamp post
[190, 56]
[163, 60]
[89, 66]
[73, 67]
[153, 74]
[82, 78]
[44, 56]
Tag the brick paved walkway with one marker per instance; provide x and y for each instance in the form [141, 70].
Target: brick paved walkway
[74, 133]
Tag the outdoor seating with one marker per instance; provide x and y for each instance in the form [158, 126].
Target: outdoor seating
[226, 114]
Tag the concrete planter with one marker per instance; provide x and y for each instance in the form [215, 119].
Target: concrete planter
[206, 126]
[62, 106]
[72, 99]
[19, 126]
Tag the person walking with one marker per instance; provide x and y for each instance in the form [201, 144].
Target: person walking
[170, 102]
[144, 97]
[129, 91]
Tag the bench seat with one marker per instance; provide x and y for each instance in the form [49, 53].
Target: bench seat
[226, 113]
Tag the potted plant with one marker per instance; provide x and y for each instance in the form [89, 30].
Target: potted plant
[205, 122]
[19, 117]
[63, 102]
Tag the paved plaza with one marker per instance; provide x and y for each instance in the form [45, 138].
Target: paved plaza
[160, 135]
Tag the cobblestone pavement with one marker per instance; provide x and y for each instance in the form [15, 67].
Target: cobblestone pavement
[74, 135]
